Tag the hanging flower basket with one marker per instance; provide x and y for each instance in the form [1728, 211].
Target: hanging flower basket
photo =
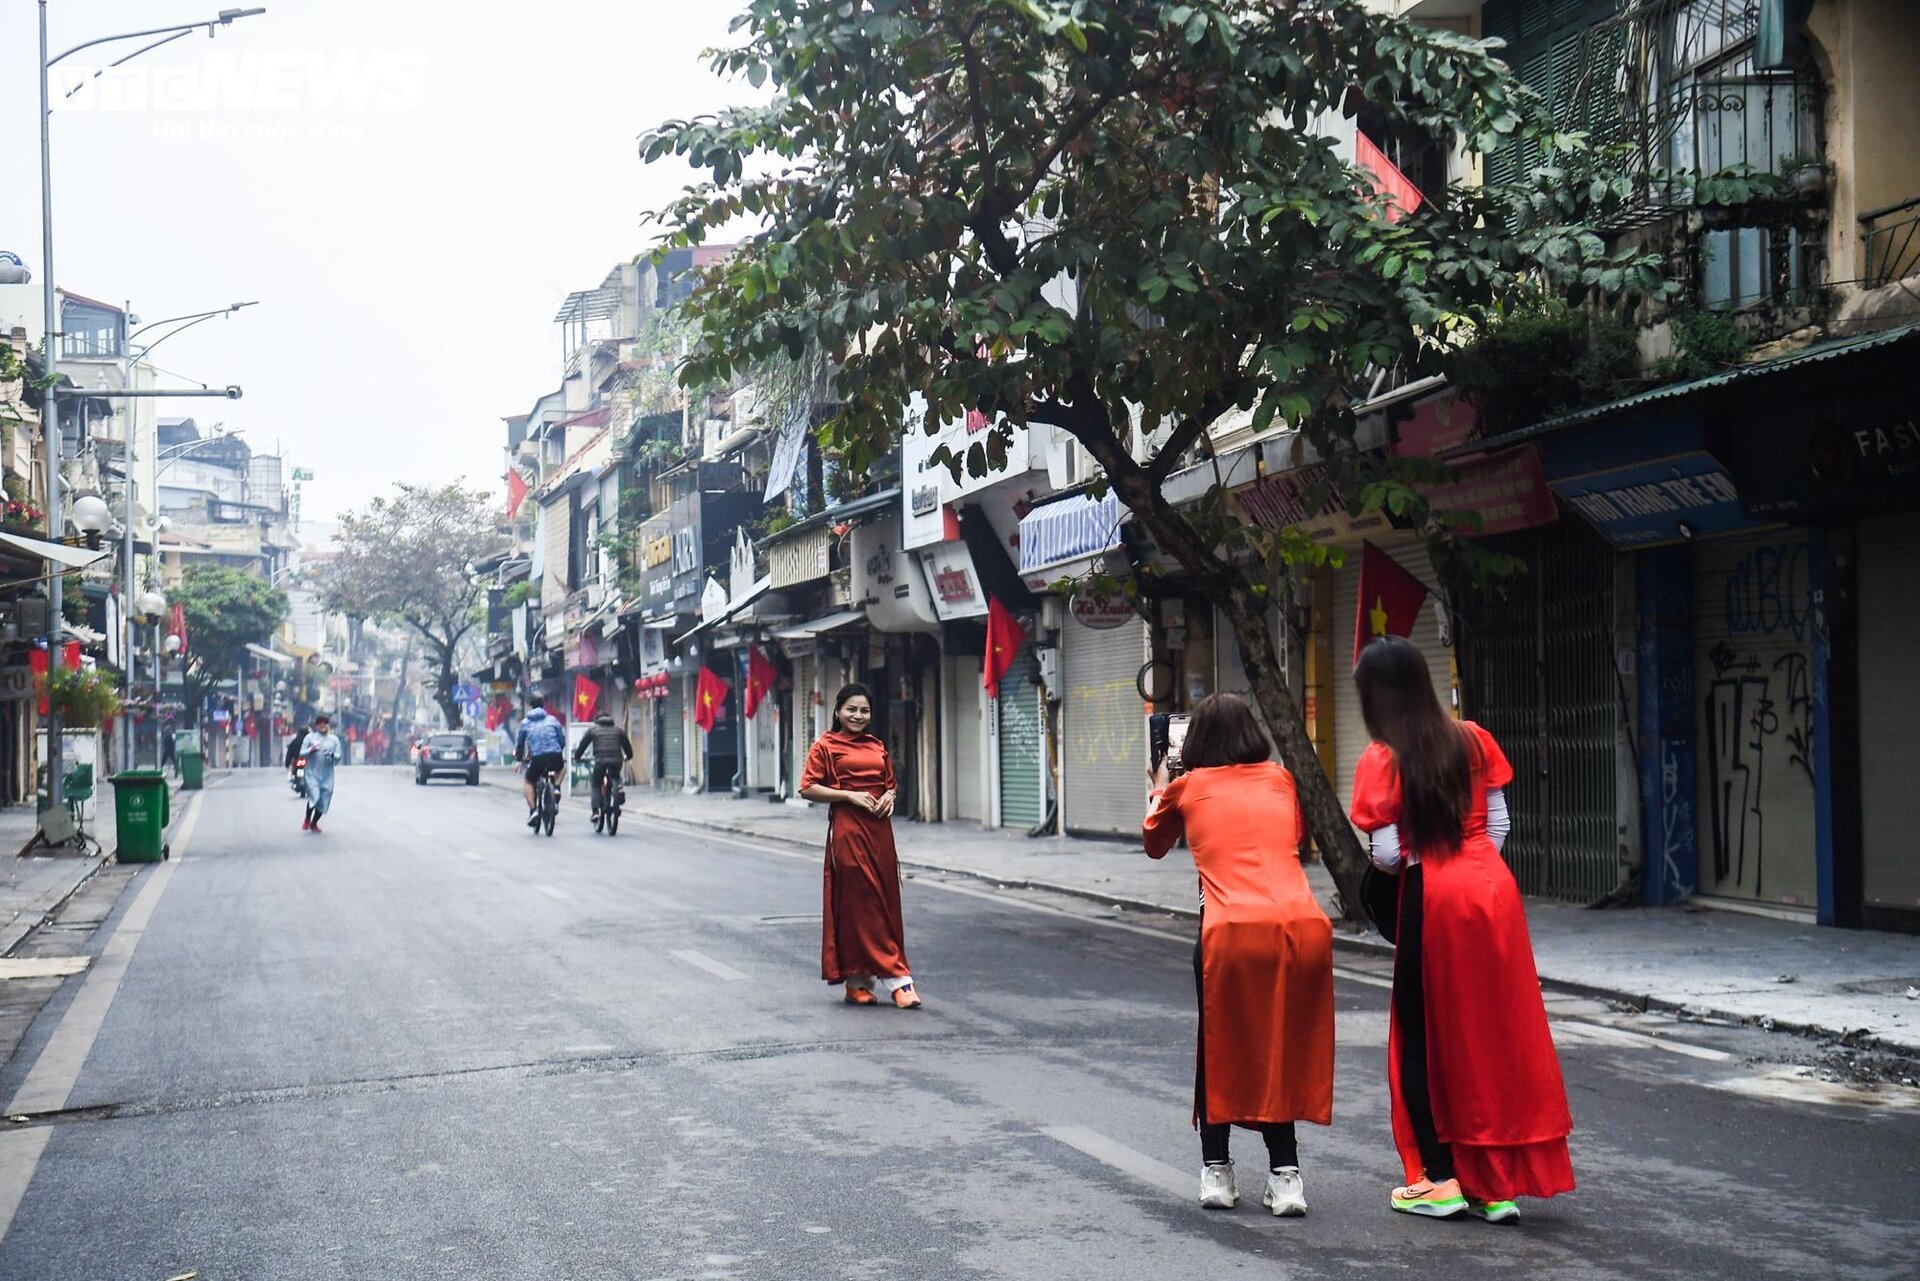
[22, 515]
[87, 697]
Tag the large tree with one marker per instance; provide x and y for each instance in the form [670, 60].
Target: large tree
[1118, 217]
[406, 559]
[226, 610]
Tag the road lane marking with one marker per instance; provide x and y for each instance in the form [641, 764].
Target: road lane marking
[701, 961]
[470, 856]
[49, 1085]
[1598, 1033]
[553, 892]
[1136, 1165]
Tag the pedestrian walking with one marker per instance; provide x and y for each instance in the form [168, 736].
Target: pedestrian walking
[322, 750]
[862, 940]
[1263, 965]
[1479, 1108]
[169, 752]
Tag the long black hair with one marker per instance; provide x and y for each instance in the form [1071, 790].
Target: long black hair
[1430, 750]
[1223, 731]
[853, 690]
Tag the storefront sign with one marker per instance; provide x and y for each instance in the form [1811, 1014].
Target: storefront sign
[1115, 611]
[954, 583]
[801, 559]
[929, 488]
[1851, 457]
[1664, 500]
[887, 582]
[1277, 502]
[1508, 491]
[16, 684]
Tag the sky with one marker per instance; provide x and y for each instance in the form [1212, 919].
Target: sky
[409, 188]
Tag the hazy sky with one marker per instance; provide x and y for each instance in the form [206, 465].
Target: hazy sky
[409, 188]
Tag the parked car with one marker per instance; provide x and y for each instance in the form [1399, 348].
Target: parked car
[454, 753]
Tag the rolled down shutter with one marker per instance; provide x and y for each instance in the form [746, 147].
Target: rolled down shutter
[1889, 691]
[803, 728]
[963, 737]
[673, 732]
[1104, 730]
[1020, 746]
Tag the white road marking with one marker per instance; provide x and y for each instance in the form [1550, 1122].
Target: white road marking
[1137, 1165]
[701, 961]
[553, 892]
[470, 856]
[1581, 1030]
[49, 1085]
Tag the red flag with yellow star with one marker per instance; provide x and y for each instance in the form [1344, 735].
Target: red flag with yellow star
[1004, 639]
[709, 698]
[1390, 599]
[586, 696]
[760, 678]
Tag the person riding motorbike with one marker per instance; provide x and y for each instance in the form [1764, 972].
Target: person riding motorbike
[296, 763]
[542, 745]
[611, 750]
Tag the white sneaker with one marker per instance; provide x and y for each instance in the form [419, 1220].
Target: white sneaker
[1216, 1187]
[1286, 1195]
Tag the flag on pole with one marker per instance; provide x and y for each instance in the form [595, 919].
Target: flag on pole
[1390, 599]
[760, 678]
[516, 491]
[179, 628]
[709, 698]
[1004, 639]
[1401, 195]
[586, 696]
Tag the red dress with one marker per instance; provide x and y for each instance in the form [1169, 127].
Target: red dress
[1494, 1078]
[860, 932]
[1266, 948]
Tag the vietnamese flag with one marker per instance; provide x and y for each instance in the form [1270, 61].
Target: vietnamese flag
[516, 491]
[709, 698]
[1390, 599]
[1401, 195]
[760, 678]
[1004, 639]
[586, 696]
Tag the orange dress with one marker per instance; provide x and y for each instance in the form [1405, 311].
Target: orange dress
[1492, 1073]
[1266, 948]
[860, 927]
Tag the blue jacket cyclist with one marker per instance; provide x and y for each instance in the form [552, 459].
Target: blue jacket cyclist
[542, 744]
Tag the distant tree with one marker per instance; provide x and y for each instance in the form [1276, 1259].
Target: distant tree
[226, 610]
[1117, 217]
[405, 558]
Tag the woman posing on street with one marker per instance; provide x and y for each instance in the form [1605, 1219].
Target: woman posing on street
[1479, 1109]
[1264, 964]
[862, 940]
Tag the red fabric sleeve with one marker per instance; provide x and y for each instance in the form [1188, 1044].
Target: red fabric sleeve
[1495, 769]
[1376, 789]
[886, 759]
[1163, 827]
[819, 769]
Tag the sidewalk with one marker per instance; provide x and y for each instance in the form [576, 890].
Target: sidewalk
[33, 888]
[1714, 964]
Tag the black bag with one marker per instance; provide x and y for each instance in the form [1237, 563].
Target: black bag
[1380, 900]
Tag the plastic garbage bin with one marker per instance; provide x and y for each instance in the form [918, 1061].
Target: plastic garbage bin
[193, 762]
[142, 807]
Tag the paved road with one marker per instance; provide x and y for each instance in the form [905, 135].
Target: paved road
[429, 1044]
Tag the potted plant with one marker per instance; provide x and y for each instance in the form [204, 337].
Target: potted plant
[1806, 174]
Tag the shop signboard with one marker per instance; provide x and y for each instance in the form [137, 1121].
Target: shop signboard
[953, 581]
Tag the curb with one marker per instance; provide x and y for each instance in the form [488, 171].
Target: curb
[1361, 945]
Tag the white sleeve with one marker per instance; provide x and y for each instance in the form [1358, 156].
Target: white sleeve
[1499, 822]
[1385, 848]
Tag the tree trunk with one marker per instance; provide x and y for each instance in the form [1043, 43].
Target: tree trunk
[444, 687]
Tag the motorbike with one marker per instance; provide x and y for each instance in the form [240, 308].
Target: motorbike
[298, 779]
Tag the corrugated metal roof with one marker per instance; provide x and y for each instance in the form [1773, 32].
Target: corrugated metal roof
[1814, 354]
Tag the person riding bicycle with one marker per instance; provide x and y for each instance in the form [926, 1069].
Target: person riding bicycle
[542, 744]
[611, 750]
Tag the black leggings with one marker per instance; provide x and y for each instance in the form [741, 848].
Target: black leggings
[1410, 1025]
[1282, 1147]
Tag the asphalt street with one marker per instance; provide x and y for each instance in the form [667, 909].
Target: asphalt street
[430, 1044]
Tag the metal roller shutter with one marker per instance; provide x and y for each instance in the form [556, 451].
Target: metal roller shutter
[804, 730]
[1103, 728]
[962, 729]
[1753, 677]
[1020, 746]
[1889, 549]
[673, 732]
[1350, 736]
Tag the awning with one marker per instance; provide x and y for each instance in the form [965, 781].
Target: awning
[817, 626]
[660, 624]
[56, 553]
[754, 593]
[1072, 529]
[272, 656]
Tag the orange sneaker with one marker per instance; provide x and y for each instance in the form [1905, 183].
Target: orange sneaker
[1430, 1200]
[861, 996]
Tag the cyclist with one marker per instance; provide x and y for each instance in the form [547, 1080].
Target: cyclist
[611, 750]
[542, 745]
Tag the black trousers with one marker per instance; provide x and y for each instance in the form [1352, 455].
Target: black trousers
[1410, 1026]
[1283, 1146]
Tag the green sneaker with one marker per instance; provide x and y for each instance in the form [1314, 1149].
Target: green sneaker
[1494, 1211]
[1430, 1200]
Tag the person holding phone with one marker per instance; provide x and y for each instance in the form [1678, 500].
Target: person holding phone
[1479, 1107]
[862, 939]
[1263, 966]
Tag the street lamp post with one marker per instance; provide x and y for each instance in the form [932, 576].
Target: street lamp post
[56, 524]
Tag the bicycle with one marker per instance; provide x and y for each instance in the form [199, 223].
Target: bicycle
[546, 800]
[606, 808]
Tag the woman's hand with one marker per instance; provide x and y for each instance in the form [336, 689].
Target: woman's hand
[871, 804]
[1160, 775]
[885, 808]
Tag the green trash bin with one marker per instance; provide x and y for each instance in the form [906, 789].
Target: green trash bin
[192, 762]
[142, 807]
